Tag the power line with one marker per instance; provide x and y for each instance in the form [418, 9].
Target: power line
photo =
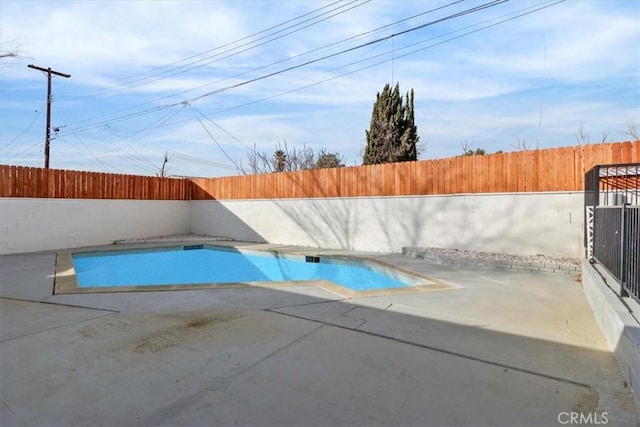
[370, 43]
[253, 80]
[289, 58]
[25, 130]
[199, 63]
[526, 11]
[223, 129]
[233, 42]
[29, 148]
[228, 44]
[316, 49]
[123, 117]
[95, 157]
[141, 161]
[193, 110]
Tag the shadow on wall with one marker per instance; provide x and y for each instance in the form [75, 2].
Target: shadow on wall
[329, 222]
[212, 218]
[520, 223]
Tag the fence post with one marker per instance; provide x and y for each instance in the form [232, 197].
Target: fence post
[590, 216]
[623, 244]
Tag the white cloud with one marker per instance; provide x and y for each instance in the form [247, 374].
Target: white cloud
[573, 41]
[102, 37]
[576, 61]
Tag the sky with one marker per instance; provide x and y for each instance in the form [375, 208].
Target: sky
[207, 82]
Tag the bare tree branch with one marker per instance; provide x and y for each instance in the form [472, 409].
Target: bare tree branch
[633, 130]
[12, 53]
[524, 145]
[284, 159]
[164, 169]
[582, 136]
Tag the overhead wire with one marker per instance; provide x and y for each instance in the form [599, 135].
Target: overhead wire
[138, 135]
[151, 110]
[204, 62]
[511, 16]
[9, 144]
[84, 145]
[490, 4]
[235, 41]
[286, 59]
[193, 110]
[234, 51]
[189, 103]
[370, 43]
[272, 74]
[170, 115]
[223, 129]
[134, 156]
[290, 58]
[29, 148]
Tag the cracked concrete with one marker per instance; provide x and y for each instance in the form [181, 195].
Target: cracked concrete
[500, 348]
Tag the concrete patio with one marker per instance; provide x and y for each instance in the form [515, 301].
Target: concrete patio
[501, 348]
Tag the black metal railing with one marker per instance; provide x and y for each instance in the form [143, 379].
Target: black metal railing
[613, 185]
[607, 242]
[631, 248]
[612, 219]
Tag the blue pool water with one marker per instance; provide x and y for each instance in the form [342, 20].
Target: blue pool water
[175, 266]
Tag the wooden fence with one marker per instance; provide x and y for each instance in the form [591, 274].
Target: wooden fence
[557, 169]
[16, 181]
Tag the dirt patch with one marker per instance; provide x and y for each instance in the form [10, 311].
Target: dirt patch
[588, 402]
[198, 323]
[170, 330]
[153, 344]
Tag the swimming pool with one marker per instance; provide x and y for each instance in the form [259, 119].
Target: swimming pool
[205, 264]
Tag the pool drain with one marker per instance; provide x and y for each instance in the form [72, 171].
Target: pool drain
[191, 247]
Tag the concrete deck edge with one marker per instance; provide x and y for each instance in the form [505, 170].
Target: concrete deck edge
[618, 324]
[65, 279]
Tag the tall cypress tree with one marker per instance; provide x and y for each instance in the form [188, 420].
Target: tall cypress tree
[392, 134]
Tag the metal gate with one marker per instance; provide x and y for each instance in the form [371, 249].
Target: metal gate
[612, 219]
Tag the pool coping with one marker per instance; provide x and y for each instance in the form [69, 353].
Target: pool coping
[65, 280]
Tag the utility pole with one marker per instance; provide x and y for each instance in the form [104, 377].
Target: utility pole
[47, 138]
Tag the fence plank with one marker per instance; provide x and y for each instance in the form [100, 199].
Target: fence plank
[570, 163]
[486, 173]
[559, 176]
[20, 187]
[475, 174]
[558, 169]
[554, 171]
[436, 178]
[14, 182]
[616, 153]
[4, 182]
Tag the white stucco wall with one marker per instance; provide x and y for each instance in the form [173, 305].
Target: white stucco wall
[28, 225]
[517, 223]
